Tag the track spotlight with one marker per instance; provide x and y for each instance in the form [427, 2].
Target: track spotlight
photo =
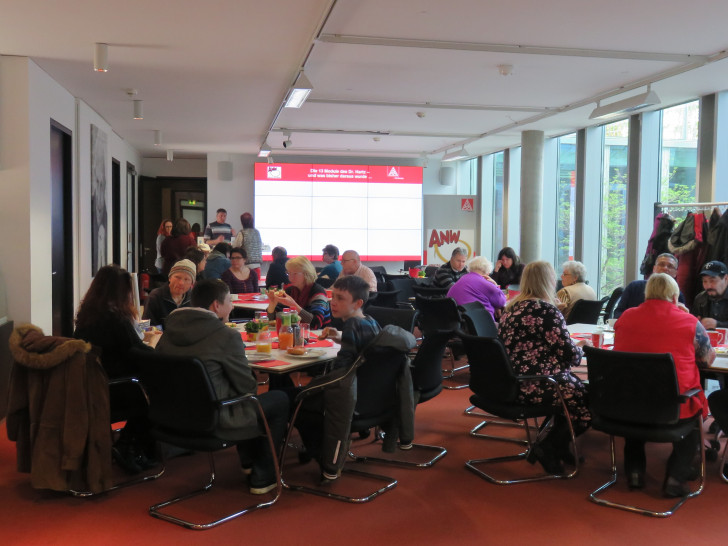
[101, 57]
[138, 109]
[287, 143]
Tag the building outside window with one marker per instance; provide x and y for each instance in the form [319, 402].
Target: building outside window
[614, 206]
[566, 199]
[498, 183]
[679, 153]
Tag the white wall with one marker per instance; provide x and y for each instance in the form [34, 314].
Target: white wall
[183, 168]
[29, 100]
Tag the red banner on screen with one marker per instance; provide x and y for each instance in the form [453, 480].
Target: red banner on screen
[297, 172]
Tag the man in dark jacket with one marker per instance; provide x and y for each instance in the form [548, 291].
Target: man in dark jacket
[449, 273]
[200, 331]
[711, 305]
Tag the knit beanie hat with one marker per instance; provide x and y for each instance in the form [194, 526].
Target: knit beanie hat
[184, 266]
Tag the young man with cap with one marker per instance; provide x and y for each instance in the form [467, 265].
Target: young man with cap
[165, 299]
[711, 305]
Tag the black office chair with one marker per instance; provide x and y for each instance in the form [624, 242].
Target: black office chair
[404, 318]
[184, 411]
[478, 321]
[586, 311]
[429, 291]
[404, 286]
[496, 388]
[386, 297]
[636, 395]
[612, 303]
[377, 369]
[426, 384]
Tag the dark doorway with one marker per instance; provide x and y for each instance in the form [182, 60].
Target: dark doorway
[62, 229]
[131, 218]
[116, 211]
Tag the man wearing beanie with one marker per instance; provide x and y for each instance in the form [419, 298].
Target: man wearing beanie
[165, 299]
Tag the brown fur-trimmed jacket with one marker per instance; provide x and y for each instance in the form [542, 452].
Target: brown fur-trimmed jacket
[58, 412]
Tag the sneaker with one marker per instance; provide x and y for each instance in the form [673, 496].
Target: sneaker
[263, 490]
[328, 478]
[405, 447]
[673, 488]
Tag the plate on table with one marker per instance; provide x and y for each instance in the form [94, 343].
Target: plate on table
[258, 357]
[721, 350]
[311, 353]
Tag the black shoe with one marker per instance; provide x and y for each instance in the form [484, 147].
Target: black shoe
[673, 488]
[636, 480]
[124, 456]
[549, 460]
[304, 457]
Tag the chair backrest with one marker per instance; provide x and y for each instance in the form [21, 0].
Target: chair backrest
[404, 318]
[430, 271]
[181, 396]
[586, 311]
[404, 285]
[438, 314]
[636, 388]
[427, 365]
[379, 272]
[429, 291]
[612, 303]
[478, 320]
[491, 372]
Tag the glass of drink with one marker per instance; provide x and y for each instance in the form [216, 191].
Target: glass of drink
[263, 343]
[305, 332]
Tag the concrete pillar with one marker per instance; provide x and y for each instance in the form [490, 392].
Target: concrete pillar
[532, 143]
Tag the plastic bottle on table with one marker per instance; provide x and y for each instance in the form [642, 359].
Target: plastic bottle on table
[285, 334]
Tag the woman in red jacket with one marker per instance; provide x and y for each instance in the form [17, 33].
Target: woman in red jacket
[659, 326]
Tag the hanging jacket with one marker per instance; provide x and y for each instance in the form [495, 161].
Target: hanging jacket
[718, 237]
[58, 412]
[657, 244]
[686, 242]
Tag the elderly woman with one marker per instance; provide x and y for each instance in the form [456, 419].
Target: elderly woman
[508, 268]
[240, 278]
[303, 294]
[573, 278]
[476, 285]
[535, 337]
[659, 326]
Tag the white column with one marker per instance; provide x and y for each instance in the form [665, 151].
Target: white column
[532, 143]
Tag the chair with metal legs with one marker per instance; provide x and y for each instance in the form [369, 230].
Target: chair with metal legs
[495, 389]
[184, 411]
[377, 370]
[636, 395]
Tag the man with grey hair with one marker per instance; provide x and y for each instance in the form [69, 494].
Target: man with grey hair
[659, 325]
[449, 273]
[573, 278]
[351, 265]
[634, 293]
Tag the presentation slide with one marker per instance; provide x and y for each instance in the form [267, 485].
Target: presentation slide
[375, 210]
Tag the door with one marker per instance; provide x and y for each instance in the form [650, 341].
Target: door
[116, 212]
[62, 230]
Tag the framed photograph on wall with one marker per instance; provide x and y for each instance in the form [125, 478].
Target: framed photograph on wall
[98, 200]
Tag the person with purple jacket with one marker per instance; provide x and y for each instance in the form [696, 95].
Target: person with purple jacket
[476, 285]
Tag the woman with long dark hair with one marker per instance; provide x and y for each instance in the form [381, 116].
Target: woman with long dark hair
[508, 268]
[164, 231]
[175, 247]
[107, 318]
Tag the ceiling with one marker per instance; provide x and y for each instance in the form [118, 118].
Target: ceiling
[391, 78]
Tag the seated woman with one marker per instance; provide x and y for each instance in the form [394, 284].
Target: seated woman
[575, 288]
[508, 268]
[659, 326]
[107, 318]
[277, 275]
[199, 258]
[536, 339]
[240, 278]
[478, 286]
[303, 295]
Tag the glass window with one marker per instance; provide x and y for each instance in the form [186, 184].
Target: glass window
[679, 153]
[565, 199]
[614, 206]
[498, 183]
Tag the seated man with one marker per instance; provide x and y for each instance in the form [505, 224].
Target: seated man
[711, 305]
[660, 326]
[326, 419]
[219, 231]
[332, 270]
[351, 265]
[200, 331]
[277, 275]
[634, 292]
[165, 299]
[449, 273]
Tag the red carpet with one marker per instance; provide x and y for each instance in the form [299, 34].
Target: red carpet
[442, 505]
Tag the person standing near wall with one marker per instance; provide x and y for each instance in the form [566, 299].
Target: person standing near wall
[219, 231]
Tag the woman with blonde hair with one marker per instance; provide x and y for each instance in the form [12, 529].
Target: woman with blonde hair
[303, 295]
[537, 341]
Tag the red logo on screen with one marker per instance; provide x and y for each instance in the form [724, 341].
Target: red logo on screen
[393, 172]
[275, 171]
[467, 205]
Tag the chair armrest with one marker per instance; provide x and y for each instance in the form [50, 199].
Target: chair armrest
[548, 378]
[687, 395]
[130, 381]
[235, 400]
[314, 389]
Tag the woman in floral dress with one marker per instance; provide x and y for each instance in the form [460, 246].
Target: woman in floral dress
[535, 337]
